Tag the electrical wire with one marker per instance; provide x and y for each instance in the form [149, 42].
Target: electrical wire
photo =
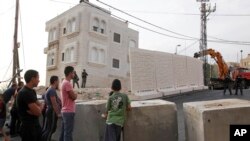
[147, 21]
[192, 44]
[187, 14]
[192, 38]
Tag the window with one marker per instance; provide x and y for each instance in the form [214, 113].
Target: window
[101, 56]
[64, 30]
[72, 54]
[117, 37]
[50, 35]
[62, 56]
[95, 28]
[102, 27]
[95, 24]
[94, 55]
[73, 25]
[116, 63]
[54, 34]
[69, 26]
[99, 25]
[51, 59]
[67, 55]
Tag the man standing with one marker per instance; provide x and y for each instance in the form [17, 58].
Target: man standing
[29, 108]
[75, 80]
[238, 83]
[84, 78]
[15, 121]
[227, 84]
[7, 95]
[53, 109]
[68, 97]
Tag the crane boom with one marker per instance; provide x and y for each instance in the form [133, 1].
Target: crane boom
[223, 68]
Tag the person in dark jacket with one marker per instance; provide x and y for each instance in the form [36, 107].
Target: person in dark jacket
[75, 80]
[227, 84]
[238, 84]
[9, 93]
[15, 121]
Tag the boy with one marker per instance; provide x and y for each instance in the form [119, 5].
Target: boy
[117, 105]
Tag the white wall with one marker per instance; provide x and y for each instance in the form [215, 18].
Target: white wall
[154, 71]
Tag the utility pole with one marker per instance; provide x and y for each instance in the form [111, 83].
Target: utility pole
[205, 11]
[16, 66]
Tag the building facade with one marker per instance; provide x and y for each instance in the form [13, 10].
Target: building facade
[88, 37]
[245, 62]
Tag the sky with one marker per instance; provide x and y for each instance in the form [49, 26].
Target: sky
[174, 15]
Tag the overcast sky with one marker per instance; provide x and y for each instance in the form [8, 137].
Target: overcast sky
[170, 14]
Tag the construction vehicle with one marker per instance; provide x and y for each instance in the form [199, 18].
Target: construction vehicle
[244, 73]
[224, 70]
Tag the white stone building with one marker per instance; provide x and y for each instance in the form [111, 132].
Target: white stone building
[88, 37]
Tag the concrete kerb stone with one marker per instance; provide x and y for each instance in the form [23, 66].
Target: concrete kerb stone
[151, 120]
[211, 120]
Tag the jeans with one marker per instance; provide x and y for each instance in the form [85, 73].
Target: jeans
[68, 120]
[49, 125]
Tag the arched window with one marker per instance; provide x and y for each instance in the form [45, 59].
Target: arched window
[132, 43]
[50, 35]
[69, 26]
[54, 34]
[67, 55]
[52, 59]
[95, 24]
[101, 56]
[103, 27]
[73, 25]
[71, 54]
[94, 54]
[48, 59]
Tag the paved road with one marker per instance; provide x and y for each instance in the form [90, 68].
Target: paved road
[189, 97]
[200, 96]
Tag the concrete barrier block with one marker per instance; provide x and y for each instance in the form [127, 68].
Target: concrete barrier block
[210, 120]
[89, 126]
[152, 120]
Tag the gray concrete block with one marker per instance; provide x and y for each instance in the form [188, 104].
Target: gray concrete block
[152, 120]
[210, 120]
[89, 125]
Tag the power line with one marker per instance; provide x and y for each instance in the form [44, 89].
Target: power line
[163, 34]
[187, 14]
[192, 38]
[192, 44]
[213, 37]
[148, 22]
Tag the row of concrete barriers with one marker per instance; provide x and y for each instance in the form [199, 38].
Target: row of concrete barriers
[156, 120]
